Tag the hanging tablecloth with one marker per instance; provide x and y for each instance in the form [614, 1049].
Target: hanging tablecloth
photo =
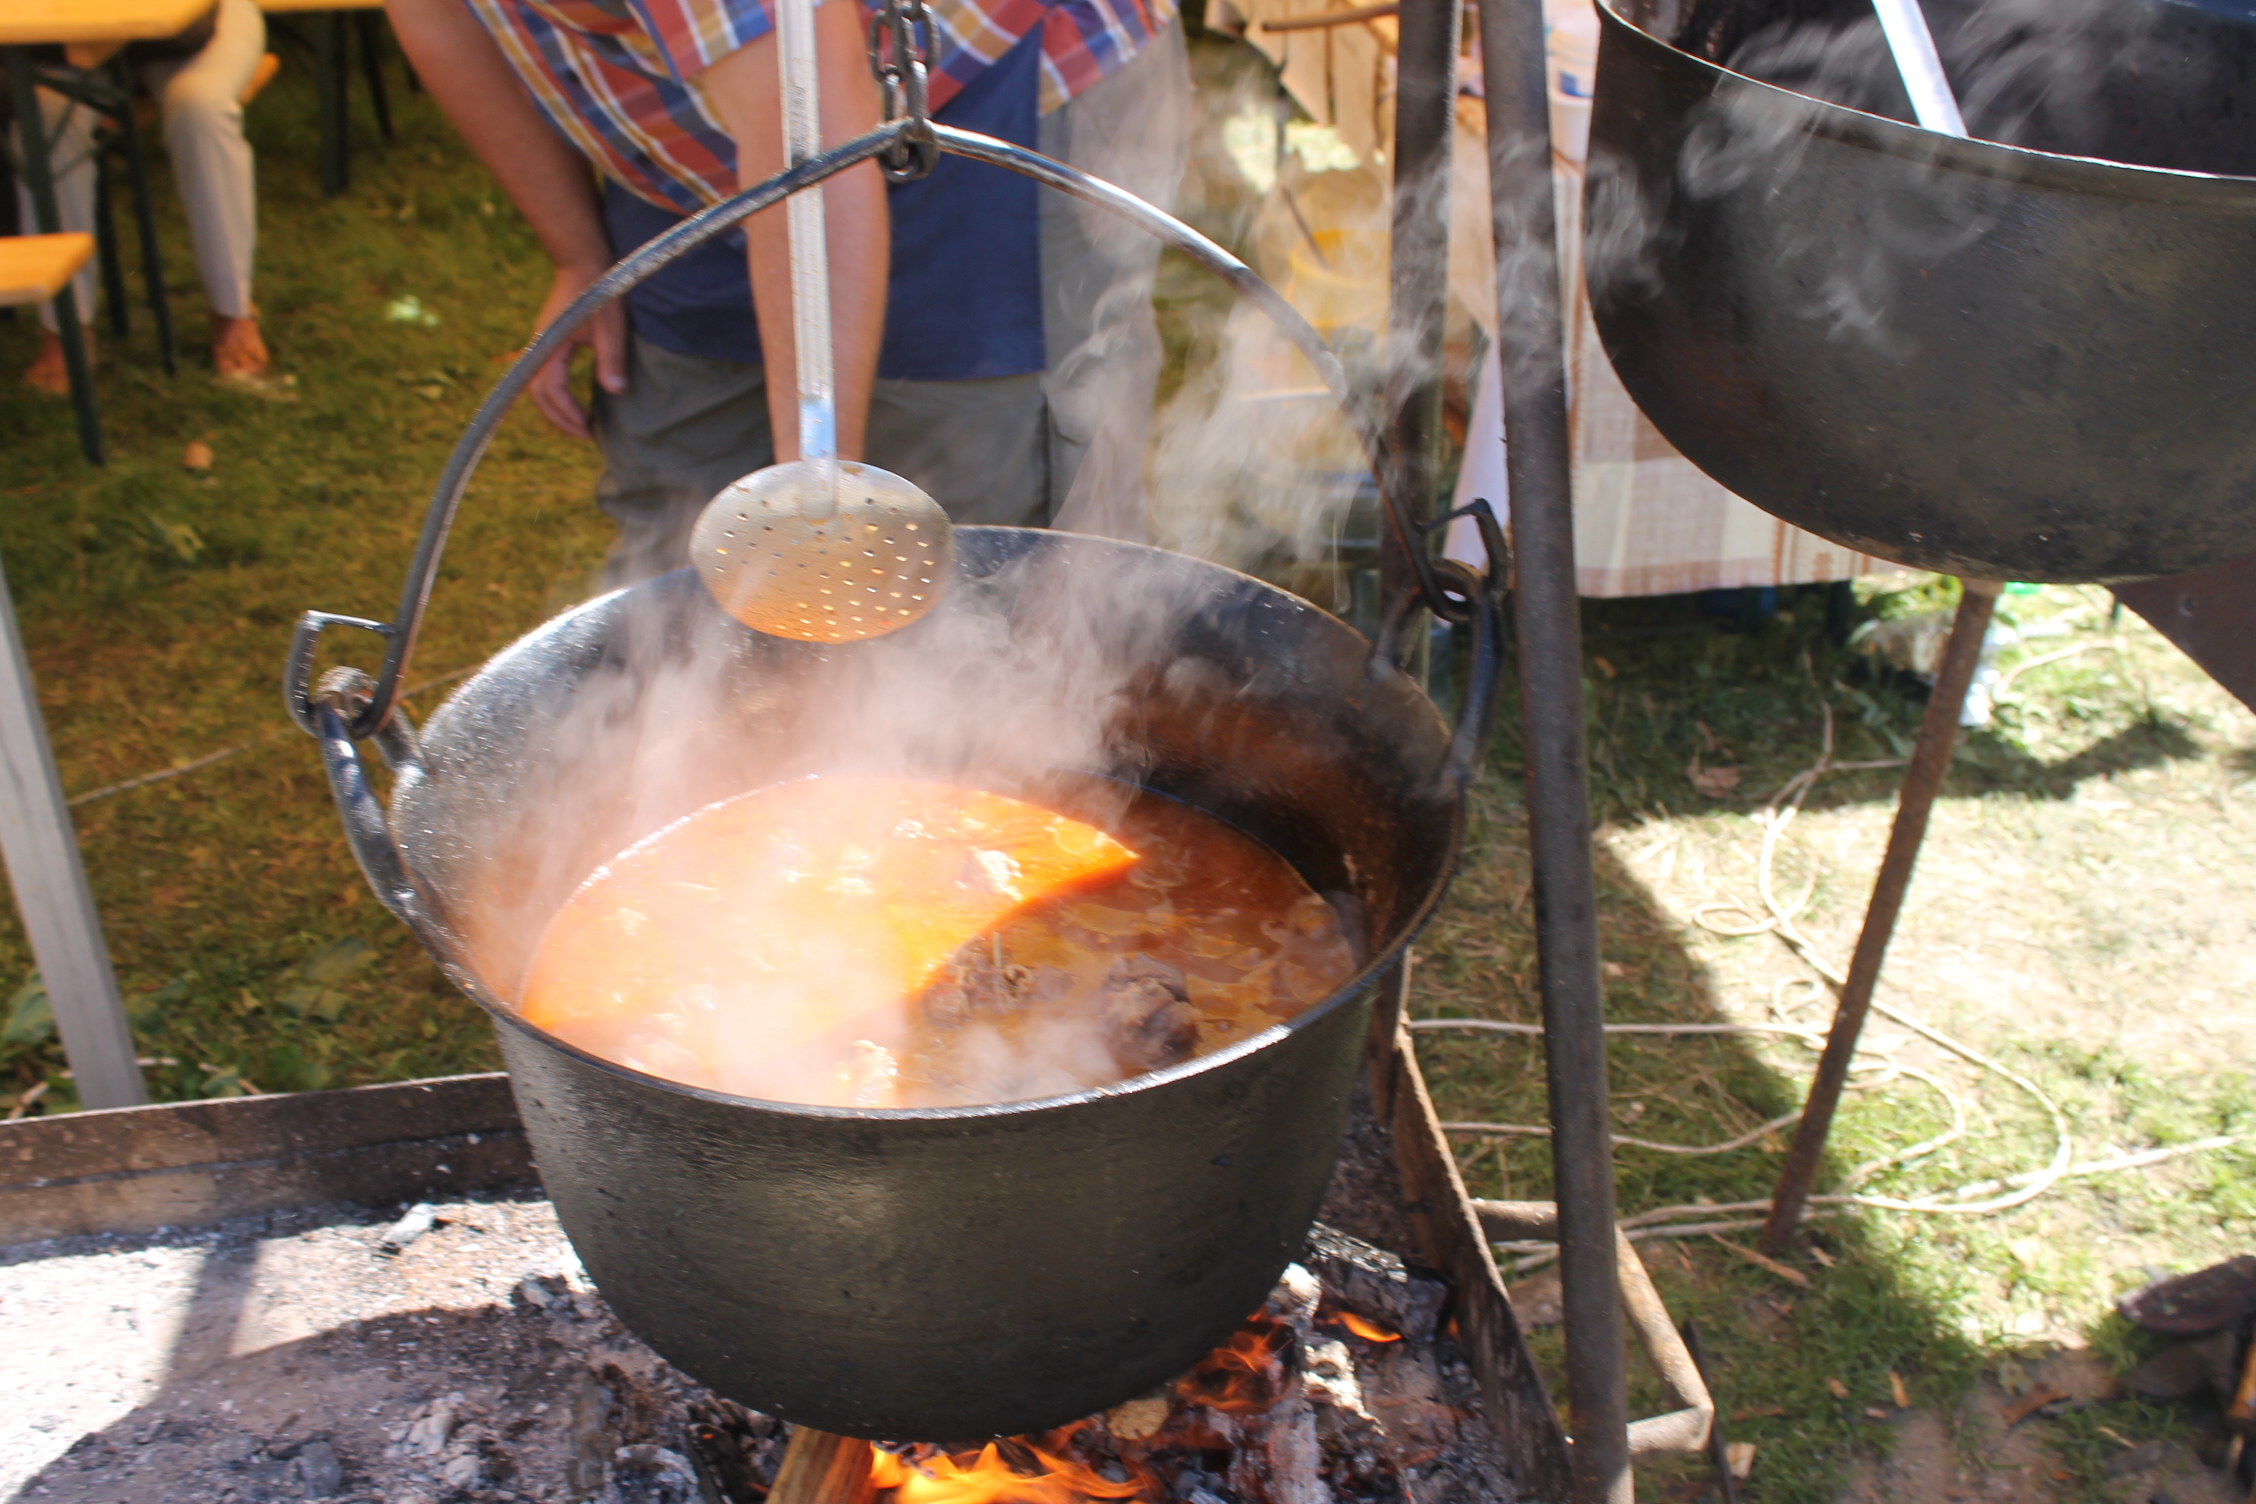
[1647, 521]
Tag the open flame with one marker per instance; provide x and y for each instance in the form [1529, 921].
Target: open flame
[1008, 1472]
[1244, 1374]
[1368, 1331]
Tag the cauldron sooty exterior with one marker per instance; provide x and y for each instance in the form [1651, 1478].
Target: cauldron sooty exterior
[933, 1273]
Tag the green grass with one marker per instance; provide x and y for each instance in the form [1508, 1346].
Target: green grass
[157, 604]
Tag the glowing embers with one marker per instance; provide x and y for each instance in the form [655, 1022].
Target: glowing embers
[1306, 1401]
[875, 942]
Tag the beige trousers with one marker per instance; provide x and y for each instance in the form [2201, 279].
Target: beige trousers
[211, 161]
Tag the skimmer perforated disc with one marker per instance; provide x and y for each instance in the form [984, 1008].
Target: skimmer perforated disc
[782, 559]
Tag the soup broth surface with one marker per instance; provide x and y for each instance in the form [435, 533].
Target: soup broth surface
[878, 942]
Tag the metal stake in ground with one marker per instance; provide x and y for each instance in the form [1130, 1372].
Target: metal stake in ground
[50, 884]
[1923, 780]
[1547, 611]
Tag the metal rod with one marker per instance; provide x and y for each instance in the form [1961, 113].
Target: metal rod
[41, 850]
[810, 245]
[1912, 45]
[1923, 780]
[1547, 611]
[1424, 121]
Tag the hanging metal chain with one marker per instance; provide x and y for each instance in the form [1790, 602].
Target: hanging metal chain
[899, 60]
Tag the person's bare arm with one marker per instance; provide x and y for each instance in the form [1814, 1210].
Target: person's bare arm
[744, 90]
[544, 175]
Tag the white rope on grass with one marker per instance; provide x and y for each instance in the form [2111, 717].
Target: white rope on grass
[1887, 1067]
[1982, 1198]
[1666, 1221]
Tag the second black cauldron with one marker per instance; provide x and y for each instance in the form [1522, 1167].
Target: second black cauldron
[2023, 357]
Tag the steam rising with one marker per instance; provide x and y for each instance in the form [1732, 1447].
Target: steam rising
[1018, 683]
[2067, 76]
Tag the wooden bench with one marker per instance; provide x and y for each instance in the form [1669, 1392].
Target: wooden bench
[34, 269]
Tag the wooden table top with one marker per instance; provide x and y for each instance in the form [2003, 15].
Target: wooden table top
[272, 7]
[25, 22]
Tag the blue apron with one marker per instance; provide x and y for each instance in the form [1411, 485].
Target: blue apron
[965, 299]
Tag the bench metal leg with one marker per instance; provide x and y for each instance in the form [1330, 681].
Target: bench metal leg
[81, 373]
[371, 24]
[39, 177]
[330, 74]
[106, 246]
[152, 260]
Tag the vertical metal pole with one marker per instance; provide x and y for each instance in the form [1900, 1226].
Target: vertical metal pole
[50, 885]
[39, 177]
[1425, 103]
[1547, 611]
[1923, 780]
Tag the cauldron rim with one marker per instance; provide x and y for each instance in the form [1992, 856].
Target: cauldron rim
[1972, 156]
[1379, 957]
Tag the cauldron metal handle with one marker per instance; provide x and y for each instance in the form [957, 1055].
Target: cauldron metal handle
[446, 498]
[342, 714]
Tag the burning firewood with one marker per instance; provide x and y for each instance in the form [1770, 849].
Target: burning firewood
[1374, 1284]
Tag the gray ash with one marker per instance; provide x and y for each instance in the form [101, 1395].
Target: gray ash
[284, 1359]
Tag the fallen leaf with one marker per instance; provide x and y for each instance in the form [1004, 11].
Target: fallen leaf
[1603, 666]
[1896, 1388]
[1763, 1261]
[2029, 1404]
[197, 456]
[1739, 1457]
[1758, 1412]
[1874, 1412]
[1713, 782]
[1840, 1390]
[1821, 1255]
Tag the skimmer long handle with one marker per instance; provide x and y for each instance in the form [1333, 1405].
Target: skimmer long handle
[1933, 104]
[810, 250]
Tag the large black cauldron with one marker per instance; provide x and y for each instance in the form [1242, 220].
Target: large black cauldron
[925, 1274]
[2010, 361]
[952, 1272]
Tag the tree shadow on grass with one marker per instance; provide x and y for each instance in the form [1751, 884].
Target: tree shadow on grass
[1673, 688]
[1777, 1349]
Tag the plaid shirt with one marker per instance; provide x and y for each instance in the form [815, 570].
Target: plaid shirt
[619, 77]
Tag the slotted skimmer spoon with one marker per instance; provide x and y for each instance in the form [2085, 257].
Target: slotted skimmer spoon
[819, 548]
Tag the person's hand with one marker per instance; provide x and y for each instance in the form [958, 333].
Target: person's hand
[606, 334]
